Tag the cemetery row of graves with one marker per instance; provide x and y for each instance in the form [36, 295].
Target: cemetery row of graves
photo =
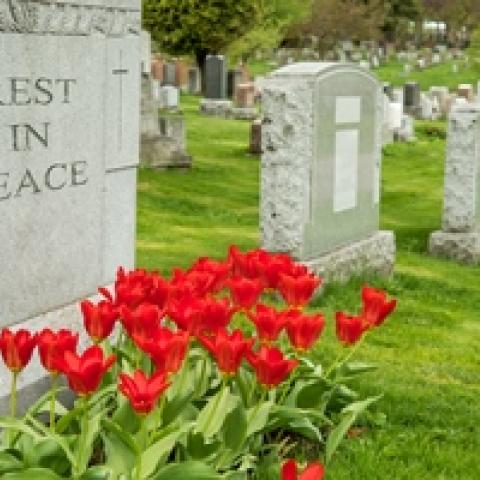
[147, 336]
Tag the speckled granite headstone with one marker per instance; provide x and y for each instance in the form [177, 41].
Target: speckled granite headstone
[69, 100]
[320, 181]
[460, 235]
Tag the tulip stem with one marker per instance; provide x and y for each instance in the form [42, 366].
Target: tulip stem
[52, 401]
[143, 438]
[339, 362]
[83, 435]
[13, 406]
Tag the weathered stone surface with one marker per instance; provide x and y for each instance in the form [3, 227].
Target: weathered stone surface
[239, 113]
[217, 108]
[256, 137]
[375, 255]
[216, 77]
[304, 120]
[461, 247]
[461, 198]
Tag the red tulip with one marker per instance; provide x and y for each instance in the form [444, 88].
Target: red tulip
[314, 471]
[349, 328]
[99, 320]
[272, 266]
[303, 330]
[141, 321]
[219, 272]
[143, 392]
[245, 292]
[375, 306]
[52, 347]
[186, 313]
[214, 314]
[243, 264]
[298, 291]
[85, 372]
[159, 292]
[269, 323]
[166, 348]
[131, 289]
[201, 282]
[228, 350]
[17, 348]
[270, 365]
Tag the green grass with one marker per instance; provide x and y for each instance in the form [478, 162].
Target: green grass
[429, 351]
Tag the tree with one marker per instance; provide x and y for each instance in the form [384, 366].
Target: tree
[398, 13]
[336, 20]
[199, 27]
[275, 18]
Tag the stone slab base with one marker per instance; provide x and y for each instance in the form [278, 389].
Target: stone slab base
[163, 153]
[462, 247]
[217, 108]
[239, 113]
[33, 381]
[374, 255]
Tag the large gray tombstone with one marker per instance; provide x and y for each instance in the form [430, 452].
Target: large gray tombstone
[215, 77]
[69, 101]
[459, 238]
[320, 180]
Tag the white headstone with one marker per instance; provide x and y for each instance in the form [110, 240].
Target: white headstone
[395, 113]
[69, 102]
[427, 107]
[321, 166]
[169, 97]
[146, 52]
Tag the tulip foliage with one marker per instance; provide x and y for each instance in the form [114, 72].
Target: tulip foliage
[190, 377]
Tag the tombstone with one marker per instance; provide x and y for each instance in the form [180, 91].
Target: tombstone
[156, 89]
[406, 132]
[441, 94]
[181, 75]
[194, 83]
[395, 115]
[215, 77]
[245, 95]
[169, 74]
[321, 162]
[459, 238]
[256, 137]
[68, 165]
[387, 131]
[157, 69]
[412, 98]
[407, 69]
[234, 78]
[426, 105]
[421, 64]
[388, 90]
[398, 96]
[436, 59]
[146, 52]
[465, 90]
[169, 97]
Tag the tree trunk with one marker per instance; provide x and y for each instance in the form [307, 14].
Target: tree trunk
[201, 57]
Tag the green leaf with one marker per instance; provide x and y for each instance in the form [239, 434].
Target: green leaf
[235, 428]
[357, 368]
[186, 471]
[294, 420]
[159, 450]
[97, 473]
[89, 440]
[349, 415]
[119, 456]
[42, 404]
[9, 463]
[121, 434]
[212, 417]
[313, 394]
[32, 474]
[20, 426]
[257, 418]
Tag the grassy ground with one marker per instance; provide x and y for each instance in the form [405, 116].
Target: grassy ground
[428, 351]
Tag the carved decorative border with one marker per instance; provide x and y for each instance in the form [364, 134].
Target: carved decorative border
[52, 17]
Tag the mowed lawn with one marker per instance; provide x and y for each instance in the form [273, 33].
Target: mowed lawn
[427, 425]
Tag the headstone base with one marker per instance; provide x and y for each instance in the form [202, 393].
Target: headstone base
[461, 247]
[162, 153]
[375, 254]
[33, 381]
[216, 108]
[243, 113]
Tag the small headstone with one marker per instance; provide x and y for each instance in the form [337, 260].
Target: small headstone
[436, 58]
[169, 97]
[169, 74]
[466, 91]
[455, 68]
[412, 98]
[181, 75]
[321, 167]
[157, 69]
[395, 115]
[234, 78]
[427, 107]
[194, 84]
[406, 133]
[245, 95]
[69, 101]
[215, 77]
[460, 235]
[256, 137]
[442, 95]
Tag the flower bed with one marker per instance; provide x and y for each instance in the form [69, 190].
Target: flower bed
[205, 375]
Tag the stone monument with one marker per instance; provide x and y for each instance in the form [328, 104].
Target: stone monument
[320, 172]
[215, 101]
[459, 238]
[69, 101]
